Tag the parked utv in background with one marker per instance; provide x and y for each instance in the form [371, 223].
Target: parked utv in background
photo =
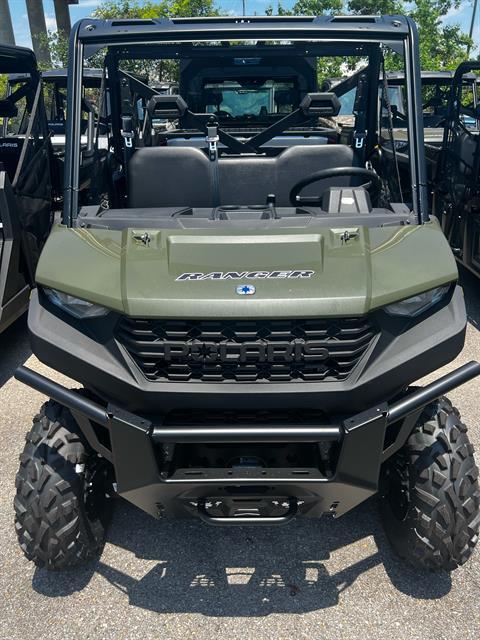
[244, 92]
[55, 98]
[93, 139]
[248, 309]
[25, 183]
[435, 91]
[436, 87]
[457, 180]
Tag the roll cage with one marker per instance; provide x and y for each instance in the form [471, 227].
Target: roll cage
[440, 83]
[26, 182]
[310, 36]
[55, 81]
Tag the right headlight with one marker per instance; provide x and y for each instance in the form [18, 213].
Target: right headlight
[414, 306]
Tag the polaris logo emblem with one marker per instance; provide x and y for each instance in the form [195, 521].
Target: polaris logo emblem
[246, 352]
[247, 275]
[245, 290]
[9, 145]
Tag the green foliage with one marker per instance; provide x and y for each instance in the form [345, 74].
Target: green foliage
[165, 8]
[441, 46]
[373, 7]
[317, 7]
[161, 70]
[127, 9]
[57, 42]
[307, 8]
[3, 85]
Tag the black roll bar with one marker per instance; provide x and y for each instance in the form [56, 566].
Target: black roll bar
[123, 37]
[258, 433]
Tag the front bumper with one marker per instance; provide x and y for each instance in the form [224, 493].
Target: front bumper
[142, 453]
[405, 351]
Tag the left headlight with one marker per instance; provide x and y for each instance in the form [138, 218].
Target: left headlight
[416, 305]
[76, 307]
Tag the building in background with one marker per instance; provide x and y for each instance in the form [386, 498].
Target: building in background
[6, 29]
[62, 15]
[38, 26]
[38, 30]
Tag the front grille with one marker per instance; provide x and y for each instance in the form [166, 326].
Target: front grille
[246, 350]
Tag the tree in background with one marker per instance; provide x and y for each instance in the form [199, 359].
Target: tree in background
[134, 9]
[164, 9]
[307, 8]
[441, 46]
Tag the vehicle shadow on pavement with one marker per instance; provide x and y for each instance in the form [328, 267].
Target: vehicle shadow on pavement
[189, 567]
[14, 348]
[471, 288]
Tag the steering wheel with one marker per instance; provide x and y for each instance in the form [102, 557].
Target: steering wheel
[373, 182]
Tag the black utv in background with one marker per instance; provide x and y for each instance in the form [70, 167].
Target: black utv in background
[26, 166]
[436, 88]
[457, 179]
[248, 308]
[94, 126]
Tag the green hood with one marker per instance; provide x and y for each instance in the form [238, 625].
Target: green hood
[117, 269]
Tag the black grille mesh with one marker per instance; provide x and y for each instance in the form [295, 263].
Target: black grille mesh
[204, 350]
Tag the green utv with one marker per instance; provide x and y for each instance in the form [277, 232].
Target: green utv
[250, 299]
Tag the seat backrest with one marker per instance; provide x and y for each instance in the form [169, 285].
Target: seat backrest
[169, 177]
[249, 180]
[466, 147]
[178, 176]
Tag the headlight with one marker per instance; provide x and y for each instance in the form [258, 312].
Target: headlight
[416, 305]
[75, 306]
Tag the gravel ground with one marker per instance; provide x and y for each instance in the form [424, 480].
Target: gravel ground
[311, 579]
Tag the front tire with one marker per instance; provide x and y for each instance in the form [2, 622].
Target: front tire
[430, 498]
[63, 499]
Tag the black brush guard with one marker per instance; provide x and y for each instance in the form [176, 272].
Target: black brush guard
[364, 442]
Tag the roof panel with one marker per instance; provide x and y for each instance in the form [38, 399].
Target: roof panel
[255, 27]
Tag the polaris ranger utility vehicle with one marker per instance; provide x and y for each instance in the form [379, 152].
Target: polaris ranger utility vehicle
[25, 183]
[457, 180]
[94, 140]
[436, 87]
[55, 98]
[248, 319]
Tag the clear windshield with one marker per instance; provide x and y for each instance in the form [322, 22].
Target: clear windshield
[239, 101]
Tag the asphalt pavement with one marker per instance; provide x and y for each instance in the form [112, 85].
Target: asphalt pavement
[326, 579]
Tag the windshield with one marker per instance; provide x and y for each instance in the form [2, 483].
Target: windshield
[347, 100]
[238, 100]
